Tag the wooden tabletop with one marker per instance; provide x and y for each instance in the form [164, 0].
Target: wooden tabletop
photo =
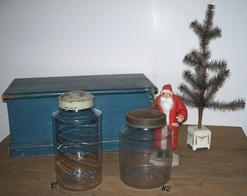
[222, 170]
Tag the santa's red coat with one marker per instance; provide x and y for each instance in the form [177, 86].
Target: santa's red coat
[177, 109]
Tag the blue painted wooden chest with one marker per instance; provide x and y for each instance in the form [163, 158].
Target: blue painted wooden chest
[31, 101]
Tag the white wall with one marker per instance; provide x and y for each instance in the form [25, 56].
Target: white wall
[80, 37]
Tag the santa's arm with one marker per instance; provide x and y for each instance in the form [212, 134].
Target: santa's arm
[182, 110]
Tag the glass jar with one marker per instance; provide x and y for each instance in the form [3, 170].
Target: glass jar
[145, 149]
[77, 142]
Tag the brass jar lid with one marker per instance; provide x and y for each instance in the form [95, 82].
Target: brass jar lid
[145, 118]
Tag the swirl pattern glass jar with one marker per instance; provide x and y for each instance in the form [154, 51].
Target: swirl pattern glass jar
[77, 141]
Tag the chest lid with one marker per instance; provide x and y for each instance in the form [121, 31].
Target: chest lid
[96, 84]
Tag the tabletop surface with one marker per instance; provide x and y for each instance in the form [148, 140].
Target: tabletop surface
[218, 171]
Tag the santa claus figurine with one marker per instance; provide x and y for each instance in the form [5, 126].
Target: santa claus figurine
[175, 110]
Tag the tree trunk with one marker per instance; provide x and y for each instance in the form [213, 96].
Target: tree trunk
[200, 113]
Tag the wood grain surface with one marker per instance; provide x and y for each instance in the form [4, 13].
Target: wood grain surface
[222, 170]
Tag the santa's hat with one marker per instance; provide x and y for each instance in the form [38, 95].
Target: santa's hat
[167, 88]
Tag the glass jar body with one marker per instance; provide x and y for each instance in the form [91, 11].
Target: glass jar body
[78, 153]
[145, 156]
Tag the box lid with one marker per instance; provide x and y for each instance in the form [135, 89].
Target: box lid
[96, 84]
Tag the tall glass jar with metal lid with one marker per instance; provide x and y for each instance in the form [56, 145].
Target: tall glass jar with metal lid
[77, 141]
[145, 149]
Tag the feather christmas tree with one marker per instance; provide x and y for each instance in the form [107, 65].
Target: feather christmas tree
[202, 84]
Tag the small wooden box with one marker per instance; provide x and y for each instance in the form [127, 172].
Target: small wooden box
[31, 102]
[198, 138]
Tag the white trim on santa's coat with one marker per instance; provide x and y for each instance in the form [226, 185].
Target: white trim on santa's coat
[175, 124]
[167, 113]
[164, 137]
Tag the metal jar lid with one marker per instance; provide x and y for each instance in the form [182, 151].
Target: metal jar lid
[75, 100]
[145, 118]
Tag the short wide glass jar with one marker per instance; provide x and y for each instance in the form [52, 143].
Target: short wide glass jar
[77, 141]
[145, 150]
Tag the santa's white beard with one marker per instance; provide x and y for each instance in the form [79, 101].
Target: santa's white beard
[166, 104]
